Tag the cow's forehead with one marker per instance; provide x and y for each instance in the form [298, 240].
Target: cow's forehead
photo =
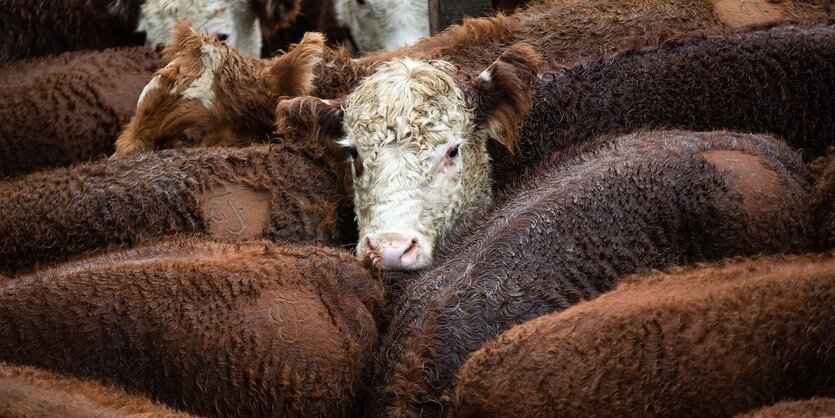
[189, 78]
[406, 101]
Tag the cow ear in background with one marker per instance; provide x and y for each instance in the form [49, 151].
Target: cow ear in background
[502, 93]
[292, 74]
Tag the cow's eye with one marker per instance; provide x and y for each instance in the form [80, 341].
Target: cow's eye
[452, 153]
[361, 2]
[354, 153]
[222, 36]
[189, 138]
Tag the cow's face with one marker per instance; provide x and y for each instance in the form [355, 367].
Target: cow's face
[417, 143]
[232, 21]
[384, 24]
[209, 94]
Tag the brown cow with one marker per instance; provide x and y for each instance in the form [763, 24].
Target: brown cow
[711, 341]
[248, 329]
[197, 98]
[280, 192]
[29, 392]
[68, 108]
[574, 229]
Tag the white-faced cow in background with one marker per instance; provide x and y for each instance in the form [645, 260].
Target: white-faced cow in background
[384, 24]
[231, 20]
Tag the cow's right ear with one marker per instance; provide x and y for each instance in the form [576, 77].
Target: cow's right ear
[502, 94]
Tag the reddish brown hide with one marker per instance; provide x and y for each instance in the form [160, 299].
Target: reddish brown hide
[277, 192]
[29, 392]
[248, 329]
[710, 341]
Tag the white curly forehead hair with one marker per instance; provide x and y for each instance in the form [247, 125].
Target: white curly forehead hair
[231, 20]
[418, 141]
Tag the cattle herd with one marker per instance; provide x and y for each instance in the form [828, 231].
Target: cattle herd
[569, 208]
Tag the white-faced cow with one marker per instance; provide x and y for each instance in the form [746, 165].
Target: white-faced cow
[418, 130]
[231, 20]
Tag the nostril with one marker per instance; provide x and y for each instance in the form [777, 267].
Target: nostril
[410, 256]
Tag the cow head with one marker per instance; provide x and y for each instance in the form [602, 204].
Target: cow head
[231, 20]
[384, 24]
[209, 94]
[416, 134]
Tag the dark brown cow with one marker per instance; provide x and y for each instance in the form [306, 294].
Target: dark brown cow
[574, 229]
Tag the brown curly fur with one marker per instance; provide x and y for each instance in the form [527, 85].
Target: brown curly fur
[62, 109]
[30, 28]
[774, 78]
[823, 199]
[559, 30]
[52, 215]
[709, 341]
[807, 408]
[646, 200]
[315, 16]
[248, 329]
[29, 392]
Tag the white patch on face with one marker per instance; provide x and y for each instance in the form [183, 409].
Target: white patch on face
[201, 89]
[152, 85]
[403, 120]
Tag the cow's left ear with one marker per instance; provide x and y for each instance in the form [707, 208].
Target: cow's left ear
[292, 74]
[502, 93]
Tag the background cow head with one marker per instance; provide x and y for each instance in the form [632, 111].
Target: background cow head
[231, 20]
[209, 94]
